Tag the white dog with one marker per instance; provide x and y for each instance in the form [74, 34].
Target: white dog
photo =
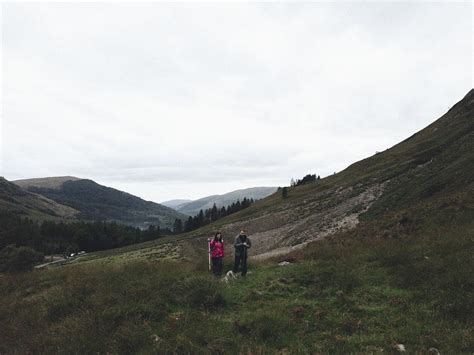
[229, 276]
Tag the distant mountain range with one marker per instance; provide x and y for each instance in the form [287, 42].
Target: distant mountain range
[69, 197]
[87, 200]
[175, 204]
[193, 207]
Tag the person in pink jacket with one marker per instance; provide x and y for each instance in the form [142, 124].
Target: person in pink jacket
[216, 245]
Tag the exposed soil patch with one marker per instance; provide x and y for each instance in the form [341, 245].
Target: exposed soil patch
[298, 223]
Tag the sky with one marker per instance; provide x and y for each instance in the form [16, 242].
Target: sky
[185, 100]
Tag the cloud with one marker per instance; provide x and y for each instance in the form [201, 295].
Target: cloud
[186, 100]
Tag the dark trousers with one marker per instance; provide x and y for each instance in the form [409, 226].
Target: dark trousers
[242, 261]
[217, 266]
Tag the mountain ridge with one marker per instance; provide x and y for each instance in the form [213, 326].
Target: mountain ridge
[98, 202]
[175, 203]
[45, 182]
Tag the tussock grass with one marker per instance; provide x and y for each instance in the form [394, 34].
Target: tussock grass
[347, 294]
[90, 308]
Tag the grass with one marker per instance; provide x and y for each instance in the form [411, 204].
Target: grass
[347, 294]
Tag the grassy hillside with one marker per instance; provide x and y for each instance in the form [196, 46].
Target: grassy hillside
[97, 202]
[22, 203]
[431, 170]
[55, 182]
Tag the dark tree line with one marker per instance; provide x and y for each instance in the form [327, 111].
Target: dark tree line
[210, 215]
[307, 179]
[59, 238]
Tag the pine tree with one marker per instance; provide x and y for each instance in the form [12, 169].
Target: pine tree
[200, 219]
[178, 226]
[189, 225]
[223, 212]
[284, 192]
[207, 216]
[214, 213]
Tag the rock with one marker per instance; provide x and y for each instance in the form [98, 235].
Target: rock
[156, 338]
[399, 347]
[433, 351]
[284, 263]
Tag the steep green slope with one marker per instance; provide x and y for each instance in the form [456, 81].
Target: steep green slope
[430, 171]
[435, 162]
[97, 202]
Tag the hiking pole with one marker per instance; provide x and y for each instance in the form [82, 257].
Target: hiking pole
[209, 252]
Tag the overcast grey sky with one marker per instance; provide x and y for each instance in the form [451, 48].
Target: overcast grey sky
[186, 100]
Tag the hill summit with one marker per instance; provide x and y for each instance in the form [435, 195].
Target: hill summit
[55, 182]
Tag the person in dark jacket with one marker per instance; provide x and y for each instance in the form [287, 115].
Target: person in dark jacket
[241, 244]
[216, 246]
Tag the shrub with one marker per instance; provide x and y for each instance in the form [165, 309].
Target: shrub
[18, 259]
